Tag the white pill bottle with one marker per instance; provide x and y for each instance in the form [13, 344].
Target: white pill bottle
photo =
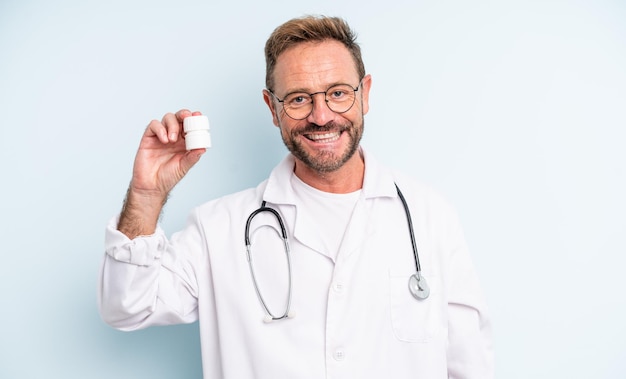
[197, 132]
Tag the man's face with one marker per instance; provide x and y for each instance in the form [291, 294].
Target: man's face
[324, 140]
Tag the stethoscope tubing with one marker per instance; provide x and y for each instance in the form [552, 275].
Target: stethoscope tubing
[418, 267]
[269, 315]
[417, 284]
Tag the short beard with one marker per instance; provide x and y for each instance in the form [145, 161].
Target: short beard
[325, 161]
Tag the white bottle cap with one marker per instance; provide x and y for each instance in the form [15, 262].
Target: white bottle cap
[196, 132]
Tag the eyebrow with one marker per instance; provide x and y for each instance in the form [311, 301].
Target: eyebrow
[304, 90]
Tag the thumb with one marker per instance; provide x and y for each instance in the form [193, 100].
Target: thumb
[190, 159]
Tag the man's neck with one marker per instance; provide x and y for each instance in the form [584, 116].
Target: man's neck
[348, 178]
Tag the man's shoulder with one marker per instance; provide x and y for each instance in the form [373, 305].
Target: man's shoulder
[419, 191]
[237, 202]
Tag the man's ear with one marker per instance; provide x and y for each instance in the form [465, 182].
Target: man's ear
[367, 84]
[268, 98]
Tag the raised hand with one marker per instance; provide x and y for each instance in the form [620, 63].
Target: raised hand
[161, 162]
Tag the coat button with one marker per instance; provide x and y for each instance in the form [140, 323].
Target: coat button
[339, 355]
[338, 287]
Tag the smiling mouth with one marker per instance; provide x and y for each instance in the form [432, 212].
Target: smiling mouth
[323, 137]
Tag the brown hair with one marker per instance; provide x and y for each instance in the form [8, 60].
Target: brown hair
[308, 29]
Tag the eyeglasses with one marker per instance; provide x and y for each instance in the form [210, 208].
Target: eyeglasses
[299, 105]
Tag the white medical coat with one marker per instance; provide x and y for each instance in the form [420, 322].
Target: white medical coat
[355, 317]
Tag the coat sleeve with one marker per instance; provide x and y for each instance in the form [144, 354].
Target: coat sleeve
[150, 280]
[470, 350]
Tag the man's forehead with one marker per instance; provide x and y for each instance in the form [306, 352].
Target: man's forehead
[308, 65]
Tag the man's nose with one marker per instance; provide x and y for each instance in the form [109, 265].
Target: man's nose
[320, 112]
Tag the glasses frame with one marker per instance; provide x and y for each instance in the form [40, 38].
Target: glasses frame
[282, 101]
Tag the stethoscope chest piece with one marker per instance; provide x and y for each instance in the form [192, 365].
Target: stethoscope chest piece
[418, 286]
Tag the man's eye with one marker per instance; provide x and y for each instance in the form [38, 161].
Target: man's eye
[298, 100]
[337, 94]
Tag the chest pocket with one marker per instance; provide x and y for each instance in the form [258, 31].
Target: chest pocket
[412, 320]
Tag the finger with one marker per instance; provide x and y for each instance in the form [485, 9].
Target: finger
[155, 128]
[173, 126]
[182, 114]
[196, 113]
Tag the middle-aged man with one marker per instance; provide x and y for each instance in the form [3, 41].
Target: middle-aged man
[343, 296]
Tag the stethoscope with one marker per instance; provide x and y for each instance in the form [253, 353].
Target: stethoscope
[417, 283]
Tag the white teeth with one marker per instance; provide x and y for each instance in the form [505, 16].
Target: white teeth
[325, 136]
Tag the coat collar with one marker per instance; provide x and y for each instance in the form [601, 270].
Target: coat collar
[378, 181]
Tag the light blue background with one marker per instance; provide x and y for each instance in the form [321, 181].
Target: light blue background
[515, 110]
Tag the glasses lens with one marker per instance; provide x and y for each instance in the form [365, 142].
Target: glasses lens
[298, 105]
[340, 98]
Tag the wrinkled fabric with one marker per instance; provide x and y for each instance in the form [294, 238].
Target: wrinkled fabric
[354, 318]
